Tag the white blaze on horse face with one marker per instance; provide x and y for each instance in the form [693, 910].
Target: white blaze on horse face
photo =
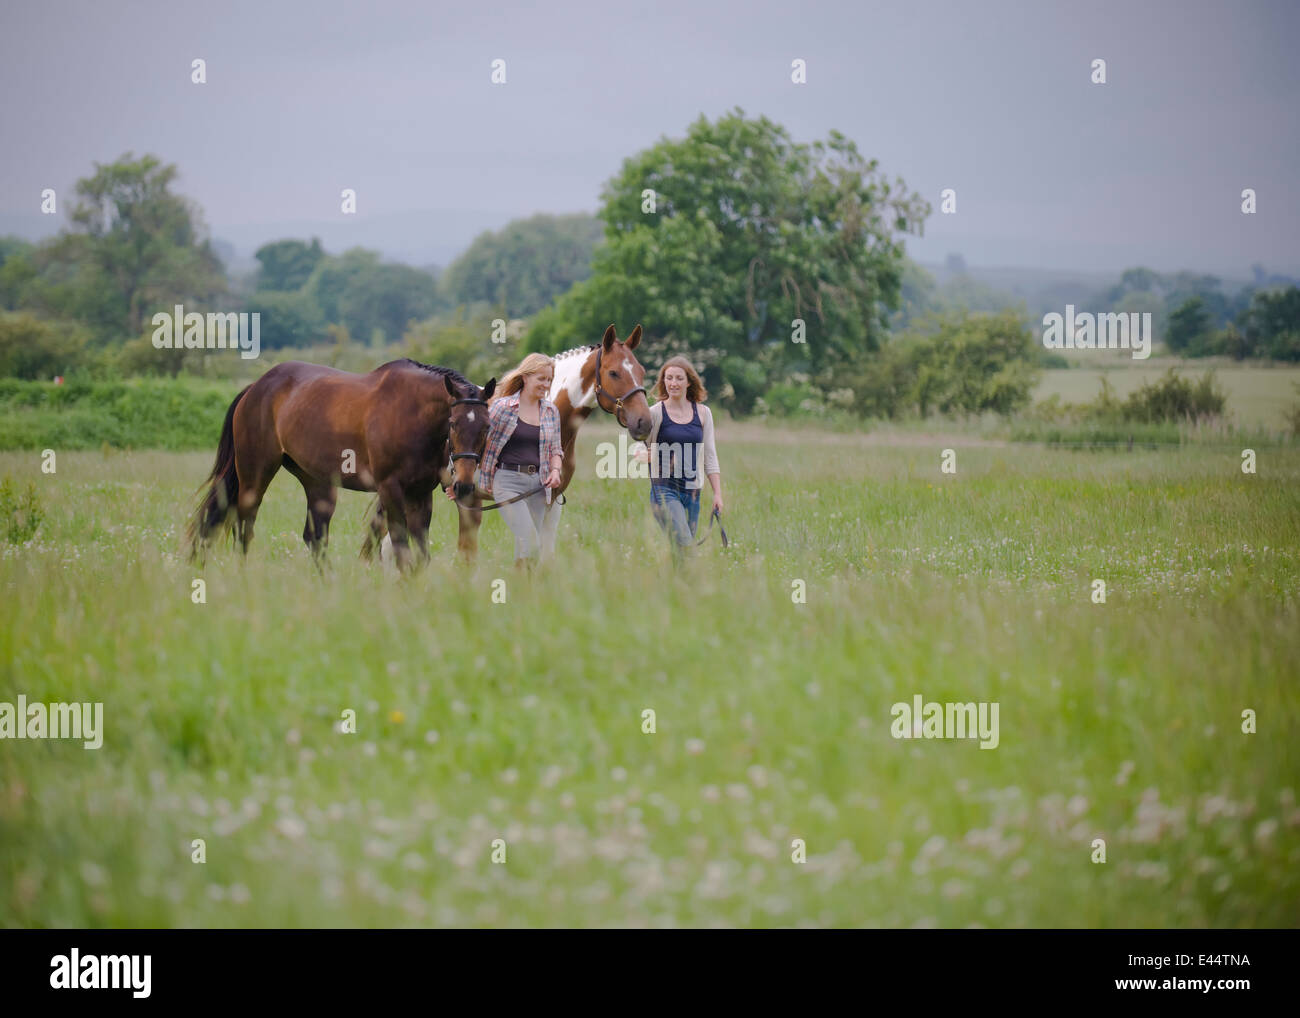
[471, 417]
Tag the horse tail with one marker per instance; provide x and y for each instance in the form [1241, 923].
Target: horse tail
[219, 489]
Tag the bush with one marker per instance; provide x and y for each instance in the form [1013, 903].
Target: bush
[1158, 412]
[90, 415]
[1174, 398]
[747, 380]
[788, 399]
[32, 348]
[955, 363]
[20, 514]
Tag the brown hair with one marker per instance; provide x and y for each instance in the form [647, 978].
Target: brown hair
[695, 391]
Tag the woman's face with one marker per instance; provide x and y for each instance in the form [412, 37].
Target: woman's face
[675, 382]
[539, 383]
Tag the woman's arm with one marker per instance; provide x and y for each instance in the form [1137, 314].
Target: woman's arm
[552, 453]
[711, 467]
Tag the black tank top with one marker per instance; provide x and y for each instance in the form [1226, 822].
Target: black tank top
[522, 448]
[679, 440]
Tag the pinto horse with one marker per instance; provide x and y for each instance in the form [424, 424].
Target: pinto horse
[388, 431]
[606, 375]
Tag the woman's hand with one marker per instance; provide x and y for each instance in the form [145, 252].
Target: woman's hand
[717, 503]
[552, 479]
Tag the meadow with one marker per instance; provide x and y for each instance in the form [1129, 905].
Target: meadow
[523, 721]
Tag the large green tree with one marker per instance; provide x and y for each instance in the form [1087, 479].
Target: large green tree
[525, 265]
[136, 242]
[748, 232]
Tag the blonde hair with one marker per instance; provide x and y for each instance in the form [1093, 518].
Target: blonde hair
[695, 391]
[513, 381]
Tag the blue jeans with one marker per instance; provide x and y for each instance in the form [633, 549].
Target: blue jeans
[677, 510]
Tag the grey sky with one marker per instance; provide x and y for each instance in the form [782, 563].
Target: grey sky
[394, 99]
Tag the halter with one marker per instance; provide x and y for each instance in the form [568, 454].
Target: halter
[618, 401]
[466, 455]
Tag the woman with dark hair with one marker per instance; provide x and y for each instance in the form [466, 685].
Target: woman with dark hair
[681, 448]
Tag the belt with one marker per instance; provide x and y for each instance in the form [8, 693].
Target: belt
[520, 468]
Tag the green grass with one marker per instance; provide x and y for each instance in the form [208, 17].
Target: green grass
[522, 720]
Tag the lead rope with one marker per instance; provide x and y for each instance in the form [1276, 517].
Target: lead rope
[721, 530]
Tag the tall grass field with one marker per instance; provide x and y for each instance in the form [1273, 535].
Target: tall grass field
[616, 741]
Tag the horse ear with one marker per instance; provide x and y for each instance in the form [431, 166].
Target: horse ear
[633, 339]
[450, 386]
[490, 388]
[610, 336]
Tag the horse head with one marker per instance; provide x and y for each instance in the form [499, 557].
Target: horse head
[467, 430]
[620, 383]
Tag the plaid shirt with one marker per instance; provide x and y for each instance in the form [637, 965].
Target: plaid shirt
[502, 417]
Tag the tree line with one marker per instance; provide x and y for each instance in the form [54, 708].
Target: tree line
[778, 266]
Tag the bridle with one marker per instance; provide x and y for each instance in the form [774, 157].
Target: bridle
[472, 401]
[618, 401]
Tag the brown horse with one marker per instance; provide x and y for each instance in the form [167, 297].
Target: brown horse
[389, 431]
[606, 375]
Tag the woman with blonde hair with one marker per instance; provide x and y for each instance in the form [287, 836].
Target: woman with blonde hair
[523, 456]
[681, 447]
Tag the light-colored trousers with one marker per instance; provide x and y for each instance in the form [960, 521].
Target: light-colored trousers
[533, 522]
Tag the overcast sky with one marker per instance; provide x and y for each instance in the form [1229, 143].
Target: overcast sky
[394, 99]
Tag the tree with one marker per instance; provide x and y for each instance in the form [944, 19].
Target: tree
[288, 319]
[1272, 324]
[522, 268]
[287, 264]
[17, 271]
[332, 275]
[132, 234]
[1139, 280]
[382, 300]
[750, 232]
[1188, 324]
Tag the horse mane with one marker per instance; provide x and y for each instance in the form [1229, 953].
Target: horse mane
[434, 369]
[574, 350]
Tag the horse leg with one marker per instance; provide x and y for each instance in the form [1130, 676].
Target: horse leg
[322, 497]
[390, 494]
[470, 521]
[378, 529]
[321, 501]
[418, 515]
[254, 478]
